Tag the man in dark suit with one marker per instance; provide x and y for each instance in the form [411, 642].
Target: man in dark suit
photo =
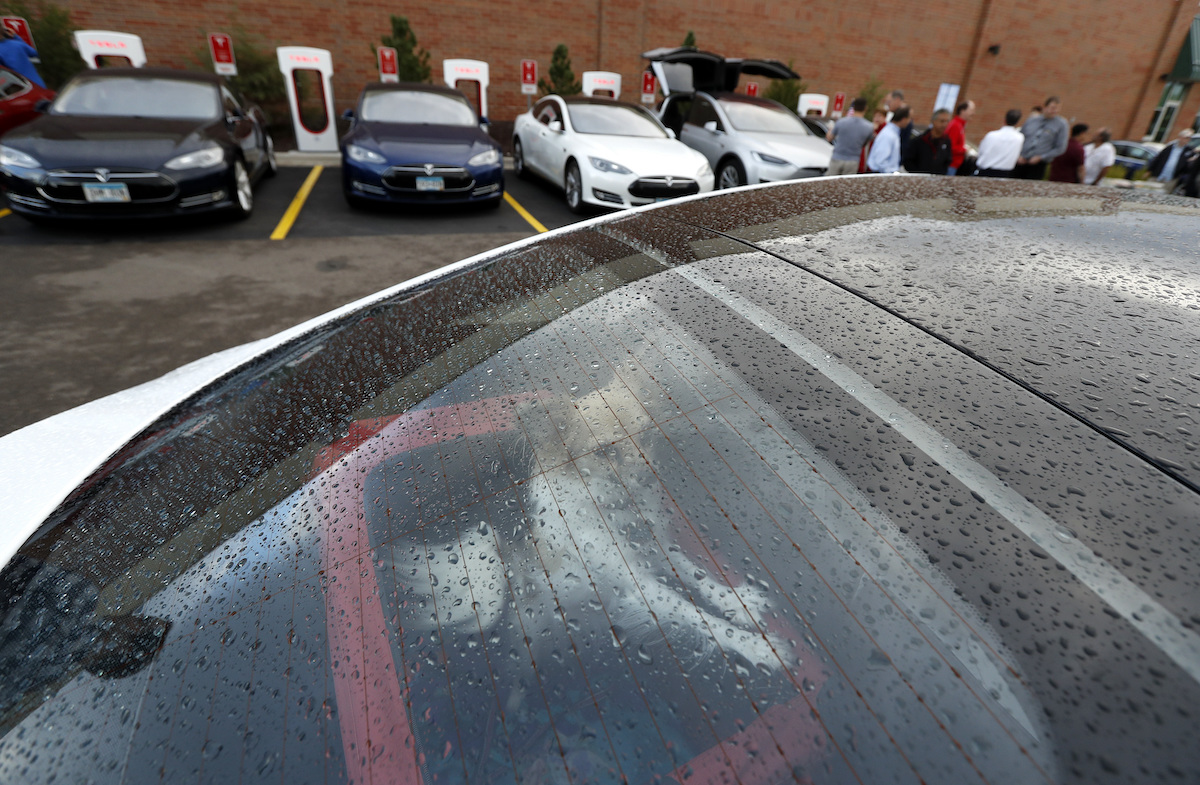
[1171, 165]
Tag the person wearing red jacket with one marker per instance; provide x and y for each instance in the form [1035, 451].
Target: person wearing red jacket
[958, 136]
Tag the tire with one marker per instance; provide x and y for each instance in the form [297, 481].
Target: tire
[519, 160]
[272, 167]
[731, 174]
[243, 191]
[573, 188]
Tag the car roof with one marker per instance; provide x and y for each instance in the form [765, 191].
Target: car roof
[150, 73]
[748, 486]
[598, 100]
[422, 87]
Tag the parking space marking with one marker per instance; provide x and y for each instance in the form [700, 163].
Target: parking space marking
[4, 213]
[289, 217]
[524, 213]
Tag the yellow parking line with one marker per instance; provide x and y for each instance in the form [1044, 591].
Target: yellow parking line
[5, 213]
[535, 223]
[289, 218]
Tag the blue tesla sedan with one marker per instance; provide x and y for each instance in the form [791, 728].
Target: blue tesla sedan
[418, 143]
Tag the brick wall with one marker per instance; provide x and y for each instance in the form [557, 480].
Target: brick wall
[1103, 57]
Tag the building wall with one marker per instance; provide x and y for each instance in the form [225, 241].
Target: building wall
[1106, 73]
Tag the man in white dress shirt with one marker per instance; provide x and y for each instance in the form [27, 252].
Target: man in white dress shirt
[885, 152]
[1000, 149]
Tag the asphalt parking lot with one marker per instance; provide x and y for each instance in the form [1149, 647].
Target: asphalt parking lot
[87, 310]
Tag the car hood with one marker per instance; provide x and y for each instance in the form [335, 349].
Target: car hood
[807, 152]
[60, 142]
[644, 156]
[448, 144]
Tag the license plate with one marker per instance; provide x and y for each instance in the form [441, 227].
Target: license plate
[431, 184]
[106, 192]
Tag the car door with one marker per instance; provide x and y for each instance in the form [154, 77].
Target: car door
[243, 129]
[547, 136]
[16, 100]
[704, 131]
[557, 145]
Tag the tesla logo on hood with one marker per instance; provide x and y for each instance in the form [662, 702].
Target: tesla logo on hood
[428, 168]
[103, 175]
[670, 181]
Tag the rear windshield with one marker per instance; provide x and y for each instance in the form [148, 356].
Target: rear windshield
[637, 503]
[764, 119]
[135, 97]
[416, 107]
[614, 120]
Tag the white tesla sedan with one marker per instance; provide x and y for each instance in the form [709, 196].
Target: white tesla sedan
[605, 152]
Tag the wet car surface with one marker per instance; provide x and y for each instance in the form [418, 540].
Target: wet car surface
[855, 480]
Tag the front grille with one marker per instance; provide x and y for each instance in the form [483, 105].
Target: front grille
[404, 178]
[663, 187]
[145, 187]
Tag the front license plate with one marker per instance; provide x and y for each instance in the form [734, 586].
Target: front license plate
[431, 184]
[106, 192]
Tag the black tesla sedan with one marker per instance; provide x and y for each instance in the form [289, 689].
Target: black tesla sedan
[851, 480]
[417, 143]
[124, 143]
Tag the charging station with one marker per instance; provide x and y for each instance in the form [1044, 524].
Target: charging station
[456, 71]
[314, 134]
[94, 44]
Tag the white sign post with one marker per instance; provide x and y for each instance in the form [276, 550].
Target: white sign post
[455, 71]
[94, 44]
[220, 46]
[305, 58]
[594, 81]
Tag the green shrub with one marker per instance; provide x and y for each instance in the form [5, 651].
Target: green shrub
[412, 62]
[874, 92]
[786, 91]
[52, 35]
[562, 78]
[689, 39]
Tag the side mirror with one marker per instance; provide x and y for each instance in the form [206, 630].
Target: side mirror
[348, 114]
[671, 133]
[556, 126]
[42, 106]
[711, 125]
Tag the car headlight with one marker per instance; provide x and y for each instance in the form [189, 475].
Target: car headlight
[704, 171]
[201, 159]
[770, 159]
[486, 158]
[363, 155]
[11, 157]
[609, 166]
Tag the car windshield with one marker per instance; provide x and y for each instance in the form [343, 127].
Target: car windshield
[614, 120]
[652, 502]
[764, 119]
[139, 97]
[416, 107]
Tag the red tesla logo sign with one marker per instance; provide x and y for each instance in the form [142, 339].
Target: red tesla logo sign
[752, 88]
[648, 84]
[222, 48]
[19, 27]
[839, 102]
[388, 68]
[108, 44]
[529, 72]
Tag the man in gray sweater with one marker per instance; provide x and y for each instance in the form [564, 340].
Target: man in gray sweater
[849, 135]
[1045, 139]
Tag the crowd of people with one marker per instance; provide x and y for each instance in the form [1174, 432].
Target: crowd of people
[1044, 147]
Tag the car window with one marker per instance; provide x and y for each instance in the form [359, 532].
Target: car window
[703, 112]
[674, 111]
[746, 116]
[416, 107]
[154, 97]
[11, 84]
[614, 120]
[548, 113]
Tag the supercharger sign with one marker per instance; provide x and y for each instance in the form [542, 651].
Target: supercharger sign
[314, 134]
[601, 81]
[94, 44]
[460, 70]
[813, 103]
